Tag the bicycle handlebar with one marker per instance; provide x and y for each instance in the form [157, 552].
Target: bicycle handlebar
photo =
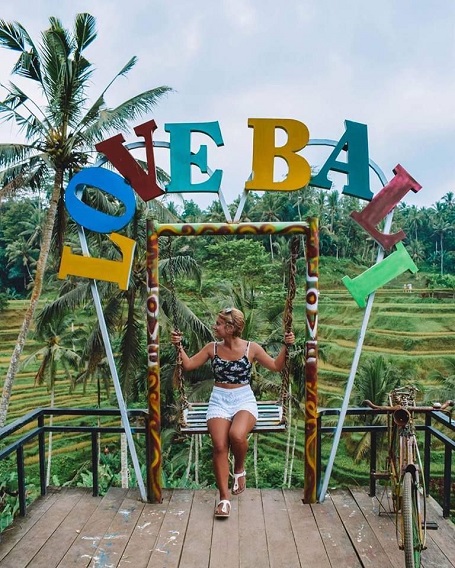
[445, 407]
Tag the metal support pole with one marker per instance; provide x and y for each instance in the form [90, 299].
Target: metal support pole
[113, 369]
[373, 461]
[350, 383]
[42, 455]
[447, 482]
[427, 453]
[21, 480]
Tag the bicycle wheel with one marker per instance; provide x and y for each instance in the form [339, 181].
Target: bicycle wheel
[411, 523]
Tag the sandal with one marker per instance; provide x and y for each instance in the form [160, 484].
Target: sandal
[236, 489]
[224, 510]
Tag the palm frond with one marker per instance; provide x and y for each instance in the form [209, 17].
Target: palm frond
[112, 120]
[15, 37]
[11, 36]
[14, 153]
[84, 32]
[30, 123]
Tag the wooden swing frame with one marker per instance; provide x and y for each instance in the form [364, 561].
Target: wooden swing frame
[271, 415]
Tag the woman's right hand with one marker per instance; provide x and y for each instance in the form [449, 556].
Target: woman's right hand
[176, 337]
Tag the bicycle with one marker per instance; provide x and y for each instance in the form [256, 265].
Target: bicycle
[404, 470]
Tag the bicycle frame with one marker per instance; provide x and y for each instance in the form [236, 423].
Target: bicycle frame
[404, 457]
[405, 471]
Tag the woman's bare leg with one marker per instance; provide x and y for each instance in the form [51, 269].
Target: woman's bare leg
[242, 424]
[219, 432]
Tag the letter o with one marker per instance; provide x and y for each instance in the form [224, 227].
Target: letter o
[111, 183]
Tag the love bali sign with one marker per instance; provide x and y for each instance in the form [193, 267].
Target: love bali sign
[133, 178]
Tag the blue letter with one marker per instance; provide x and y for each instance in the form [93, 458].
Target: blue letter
[109, 182]
[182, 158]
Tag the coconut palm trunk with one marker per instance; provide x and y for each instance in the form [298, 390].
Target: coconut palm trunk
[35, 296]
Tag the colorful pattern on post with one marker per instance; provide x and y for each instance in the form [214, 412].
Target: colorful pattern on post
[196, 229]
[311, 364]
[153, 374]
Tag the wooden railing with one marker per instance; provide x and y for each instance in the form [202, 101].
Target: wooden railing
[32, 428]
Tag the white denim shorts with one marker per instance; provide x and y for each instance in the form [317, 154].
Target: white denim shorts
[225, 403]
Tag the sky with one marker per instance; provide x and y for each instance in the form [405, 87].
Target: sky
[389, 65]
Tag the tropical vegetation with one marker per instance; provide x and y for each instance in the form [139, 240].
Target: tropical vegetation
[60, 126]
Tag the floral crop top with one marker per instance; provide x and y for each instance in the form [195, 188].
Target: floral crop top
[236, 372]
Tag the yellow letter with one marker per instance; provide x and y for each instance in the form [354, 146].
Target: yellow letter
[265, 152]
[99, 268]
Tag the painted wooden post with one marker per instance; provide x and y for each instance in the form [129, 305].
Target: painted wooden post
[311, 363]
[153, 373]
[311, 351]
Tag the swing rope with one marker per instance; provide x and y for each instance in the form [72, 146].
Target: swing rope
[287, 323]
[179, 378]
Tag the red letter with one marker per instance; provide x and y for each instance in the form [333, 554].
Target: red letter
[143, 183]
[382, 203]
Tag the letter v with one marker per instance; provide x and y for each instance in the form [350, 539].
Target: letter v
[144, 184]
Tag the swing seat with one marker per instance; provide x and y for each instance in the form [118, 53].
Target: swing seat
[270, 418]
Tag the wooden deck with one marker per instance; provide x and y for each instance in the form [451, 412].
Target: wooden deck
[267, 528]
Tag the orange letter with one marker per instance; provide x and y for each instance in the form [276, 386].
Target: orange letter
[265, 152]
[99, 268]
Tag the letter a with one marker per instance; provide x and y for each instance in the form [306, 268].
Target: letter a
[355, 141]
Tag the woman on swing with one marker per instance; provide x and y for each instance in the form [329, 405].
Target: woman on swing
[232, 410]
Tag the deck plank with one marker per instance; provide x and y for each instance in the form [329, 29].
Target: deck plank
[268, 528]
[363, 538]
[443, 538]
[334, 536]
[26, 549]
[225, 550]
[280, 539]
[382, 524]
[384, 527]
[305, 531]
[252, 534]
[139, 549]
[83, 548]
[12, 535]
[198, 539]
[113, 543]
[66, 533]
[169, 543]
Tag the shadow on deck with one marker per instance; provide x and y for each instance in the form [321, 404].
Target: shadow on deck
[267, 528]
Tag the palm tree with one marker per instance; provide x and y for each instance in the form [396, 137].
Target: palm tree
[21, 252]
[60, 130]
[53, 356]
[445, 388]
[441, 227]
[375, 379]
